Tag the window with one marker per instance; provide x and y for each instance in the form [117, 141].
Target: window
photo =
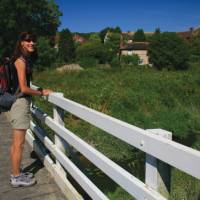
[141, 61]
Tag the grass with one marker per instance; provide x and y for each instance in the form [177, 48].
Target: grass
[141, 96]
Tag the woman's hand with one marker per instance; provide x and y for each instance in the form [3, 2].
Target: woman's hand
[46, 92]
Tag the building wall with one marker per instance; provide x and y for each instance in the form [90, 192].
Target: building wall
[144, 59]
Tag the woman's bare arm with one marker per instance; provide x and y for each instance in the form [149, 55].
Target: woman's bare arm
[21, 72]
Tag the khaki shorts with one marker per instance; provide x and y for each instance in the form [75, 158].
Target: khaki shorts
[20, 114]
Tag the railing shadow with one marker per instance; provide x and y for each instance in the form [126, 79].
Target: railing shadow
[35, 166]
[190, 140]
[101, 180]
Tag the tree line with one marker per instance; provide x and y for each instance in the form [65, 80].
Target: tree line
[166, 50]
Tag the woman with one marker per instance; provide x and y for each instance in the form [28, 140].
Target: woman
[24, 55]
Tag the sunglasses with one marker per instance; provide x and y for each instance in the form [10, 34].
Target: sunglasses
[29, 40]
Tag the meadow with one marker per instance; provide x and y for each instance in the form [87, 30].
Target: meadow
[139, 95]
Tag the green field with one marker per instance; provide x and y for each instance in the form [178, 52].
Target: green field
[141, 96]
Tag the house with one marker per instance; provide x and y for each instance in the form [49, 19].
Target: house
[79, 39]
[136, 48]
[130, 47]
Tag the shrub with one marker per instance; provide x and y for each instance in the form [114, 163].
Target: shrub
[115, 63]
[130, 60]
[88, 62]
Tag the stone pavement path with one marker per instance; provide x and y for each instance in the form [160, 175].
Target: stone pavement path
[45, 189]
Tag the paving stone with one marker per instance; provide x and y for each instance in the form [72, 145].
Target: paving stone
[45, 189]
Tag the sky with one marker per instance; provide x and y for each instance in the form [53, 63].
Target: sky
[94, 15]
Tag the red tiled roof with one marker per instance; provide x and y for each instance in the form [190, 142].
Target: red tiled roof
[185, 35]
[78, 38]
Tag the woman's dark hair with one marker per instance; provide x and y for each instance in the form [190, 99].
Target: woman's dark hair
[18, 48]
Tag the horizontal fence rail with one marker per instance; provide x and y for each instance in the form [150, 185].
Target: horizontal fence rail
[90, 188]
[126, 180]
[173, 153]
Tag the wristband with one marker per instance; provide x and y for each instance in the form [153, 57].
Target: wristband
[41, 91]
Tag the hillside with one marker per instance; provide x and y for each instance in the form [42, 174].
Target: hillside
[140, 96]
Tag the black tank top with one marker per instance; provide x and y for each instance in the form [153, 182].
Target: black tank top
[28, 70]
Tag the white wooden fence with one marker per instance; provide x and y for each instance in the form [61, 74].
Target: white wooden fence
[156, 143]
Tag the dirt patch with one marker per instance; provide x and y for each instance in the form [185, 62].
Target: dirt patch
[70, 67]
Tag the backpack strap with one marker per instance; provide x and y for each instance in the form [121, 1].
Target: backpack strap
[11, 66]
[8, 74]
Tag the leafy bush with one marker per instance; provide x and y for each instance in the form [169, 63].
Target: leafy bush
[130, 60]
[88, 62]
[168, 50]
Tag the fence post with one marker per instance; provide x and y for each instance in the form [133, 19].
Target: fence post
[61, 144]
[158, 173]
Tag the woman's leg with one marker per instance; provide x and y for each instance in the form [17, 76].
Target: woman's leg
[17, 147]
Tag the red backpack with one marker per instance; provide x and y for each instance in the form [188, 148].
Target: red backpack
[7, 98]
[4, 78]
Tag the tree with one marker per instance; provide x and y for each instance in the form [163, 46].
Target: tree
[113, 43]
[139, 36]
[149, 36]
[106, 30]
[117, 29]
[46, 54]
[168, 50]
[103, 33]
[40, 17]
[157, 31]
[92, 50]
[66, 47]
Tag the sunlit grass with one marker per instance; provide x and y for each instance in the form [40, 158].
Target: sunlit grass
[144, 97]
